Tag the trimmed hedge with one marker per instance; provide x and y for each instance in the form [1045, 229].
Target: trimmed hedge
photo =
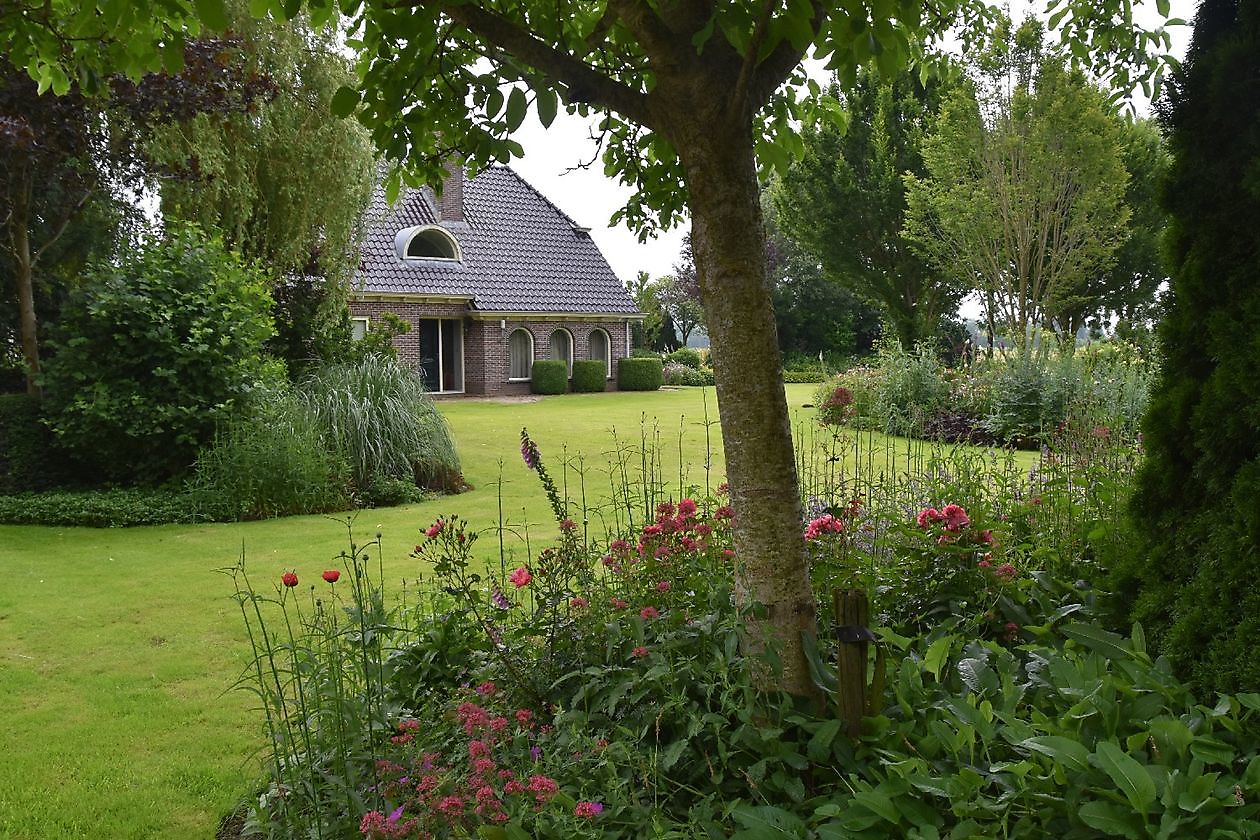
[640, 374]
[98, 508]
[803, 376]
[590, 376]
[29, 459]
[549, 376]
[688, 356]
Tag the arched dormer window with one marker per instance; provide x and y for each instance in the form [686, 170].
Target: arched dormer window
[427, 242]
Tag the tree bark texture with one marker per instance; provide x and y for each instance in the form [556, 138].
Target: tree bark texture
[22, 261]
[728, 238]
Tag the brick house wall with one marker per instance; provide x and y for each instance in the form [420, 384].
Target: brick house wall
[486, 341]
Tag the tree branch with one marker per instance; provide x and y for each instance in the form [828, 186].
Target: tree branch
[767, 76]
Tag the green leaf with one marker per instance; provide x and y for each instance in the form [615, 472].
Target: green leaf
[212, 13]
[1072, 754]
[516, 106]
[344, 101]
[1130, 776]
[823, 675]
[878, 803]
[1212, 751]
[1163, 7]
[819, 746]
[1109, 819]
[937, 655]
[545, 102]
[1100, 641]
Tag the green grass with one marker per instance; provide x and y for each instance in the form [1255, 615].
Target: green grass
[119, 648]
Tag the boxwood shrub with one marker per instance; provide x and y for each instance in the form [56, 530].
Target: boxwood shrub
[688, 356]
[639, 374]
[589, 375]
[549, 376]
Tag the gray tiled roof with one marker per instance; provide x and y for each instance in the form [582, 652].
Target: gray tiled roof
[520, 252]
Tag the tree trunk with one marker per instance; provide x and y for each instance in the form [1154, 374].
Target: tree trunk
[19, 234]
[728, 237]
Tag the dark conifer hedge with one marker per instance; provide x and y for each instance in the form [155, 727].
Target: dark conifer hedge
[1192, 581]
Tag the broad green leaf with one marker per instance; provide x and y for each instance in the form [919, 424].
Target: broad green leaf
[213, 14]
[1163, 7]
[819, 746]
[1071, 753]
[823, 675]
[516, 106]
[1110, 819]
[545, 102]
[878, 802]
[344, 101]
[1211, 751]
[937, 655]
[1130, 776]
[1100, 641]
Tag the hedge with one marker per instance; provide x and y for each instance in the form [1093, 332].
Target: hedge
[688, 356]
[549, 376]
[803, 376]
[98, 508]
[29, 459]
[589, 376]
[640, 374]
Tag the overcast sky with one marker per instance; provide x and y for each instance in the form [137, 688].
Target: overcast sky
[590, 198]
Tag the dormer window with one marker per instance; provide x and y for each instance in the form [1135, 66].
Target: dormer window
[429, 242]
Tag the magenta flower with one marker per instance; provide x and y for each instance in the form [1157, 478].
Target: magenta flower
[588, 810]
[955, 517]
[825, 524]
[520, 577]
[433, 530]
[529, 452]
[650, 613]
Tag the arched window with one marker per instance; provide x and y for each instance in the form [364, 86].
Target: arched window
[520, 354]
[599, 346]
[562, 347]
[426, 243]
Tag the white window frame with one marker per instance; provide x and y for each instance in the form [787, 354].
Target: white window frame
[572, 347]
[608, 354]
[405, 236]
[530, 334]
[367, 326]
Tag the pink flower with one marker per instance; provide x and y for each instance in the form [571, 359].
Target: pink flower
[825, 524]
[662, 551]
[986, 536]
[520, 577]
[578, 603]
[724, 512]
[543, 787]
[653, 531]
[665, 509]
[927, 516]
[687, 508]
[1006, 571]
[984, 564]
[487, 688]
[663, 586]
[433, 530]
[703, 530]
[588, 810]
[619, 604]
[451, 805]
[524, 716]
[567, 524]
[639, 652]
[955, 517]
[619, 547]
[650, 613]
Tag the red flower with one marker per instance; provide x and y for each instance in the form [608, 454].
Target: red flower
[639, 652]
[331, 575]
[520, 577]
[433, 530]
[289, 579]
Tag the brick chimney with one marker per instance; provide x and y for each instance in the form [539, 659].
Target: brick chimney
[451, 204]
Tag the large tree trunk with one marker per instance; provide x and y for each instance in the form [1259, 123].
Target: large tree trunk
[728, 238]
[27, 324]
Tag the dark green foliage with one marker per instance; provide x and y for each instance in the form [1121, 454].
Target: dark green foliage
[1197, 507]
[803, 376]
[29, 459]
[273, 463]
[152, 352]
[549, 376]
[119, 508]
[639, 374]
[589, 375]
[688, 356]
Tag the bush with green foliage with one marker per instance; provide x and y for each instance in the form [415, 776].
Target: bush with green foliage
[640, 374]
[375, 415]
[116, 508]
[913, 387]
[688, 356]
[549, 376]
[803, 376]
[30, 460]
[1191, 576]
[674, 374]
[589, 376]
[152, 351]
[272, 463]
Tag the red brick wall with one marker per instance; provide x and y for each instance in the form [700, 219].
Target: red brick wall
[486, 342]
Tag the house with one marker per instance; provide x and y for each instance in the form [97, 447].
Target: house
[490, 276]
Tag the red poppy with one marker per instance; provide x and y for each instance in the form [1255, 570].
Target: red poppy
[289, 579]
[331, 575]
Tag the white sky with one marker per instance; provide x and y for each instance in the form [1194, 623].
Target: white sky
[590, 198]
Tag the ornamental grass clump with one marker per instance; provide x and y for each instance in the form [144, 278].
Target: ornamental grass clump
[377, 415]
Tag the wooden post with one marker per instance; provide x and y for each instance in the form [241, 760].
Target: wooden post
[852, 610]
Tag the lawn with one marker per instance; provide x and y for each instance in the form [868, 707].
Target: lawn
[119, 648]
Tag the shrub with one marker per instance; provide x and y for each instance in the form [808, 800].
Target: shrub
[376, 415]
[151, 352]
[640, 374]
[912, 388]
[30, 460]
[644, 353]
[688, 356]
[549, 376]
[119, 508]
[676, 374]
[274, 463]
[589, 376]
[863, 385]
[804, 376]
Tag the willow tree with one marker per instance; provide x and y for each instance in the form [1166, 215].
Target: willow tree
[692, 95]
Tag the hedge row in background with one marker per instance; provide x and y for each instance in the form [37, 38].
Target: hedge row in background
[639, 374]
[549, 376]
[29, 461]
[589, 376]
[98, 508]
